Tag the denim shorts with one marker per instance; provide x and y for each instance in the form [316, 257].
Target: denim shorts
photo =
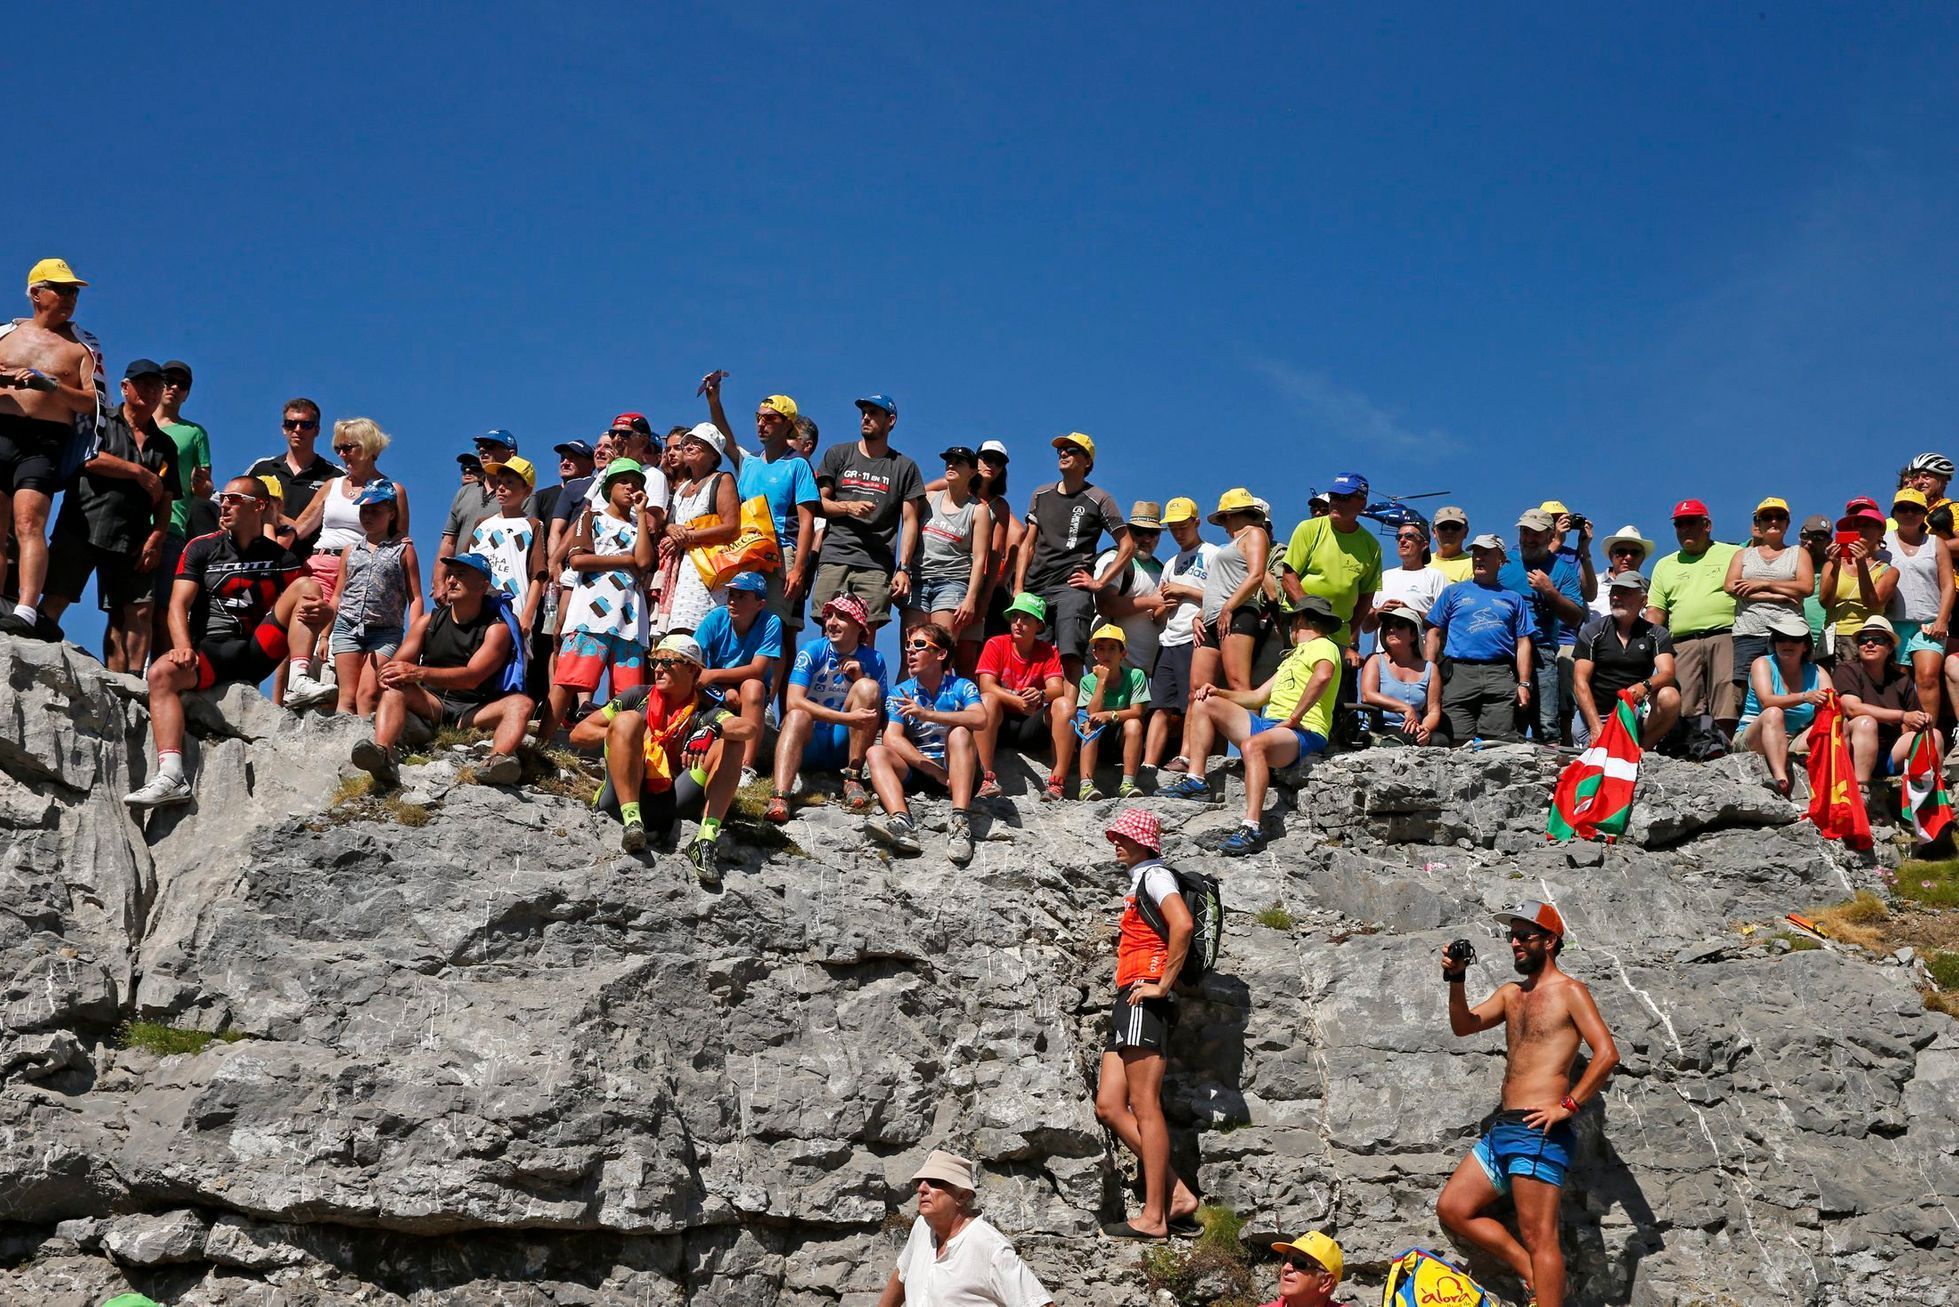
[1510, 1148]
[382, 640]
[1911, 641]
[1310, 742]
[929, 596]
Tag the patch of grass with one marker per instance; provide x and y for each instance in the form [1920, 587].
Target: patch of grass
[1275, 917]
[1856, 921]
[1798, 942]
[559, 771]
[745, 821]
[405, 813]
[1222, 1226]
[450, 737]
[164, 1039]
[1939, 1002]
[1928, 884]
[1943, 968]
[1192, 1274]
[350, 789]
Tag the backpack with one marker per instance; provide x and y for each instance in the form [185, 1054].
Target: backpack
[1202, 896]
[1418, 1278]
[511, 679]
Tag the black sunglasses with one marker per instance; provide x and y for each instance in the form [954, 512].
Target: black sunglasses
[1872, 638]
[1301, 1263]
[346, 449]
[300, 424]
[1522, 935]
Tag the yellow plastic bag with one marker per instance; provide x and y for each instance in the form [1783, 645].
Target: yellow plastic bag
[754, 548]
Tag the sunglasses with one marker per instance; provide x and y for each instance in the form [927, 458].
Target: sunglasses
[920, 646]
[176, 383]
[1452, 526]
[1766, 518]
[235, 501]
[1410, 539]
[346, 449]
[1689, 521]
[1872, 638]
[301, 424]
[1521, 935]
[659, 665]
[938, 1186]
[1306, 1265]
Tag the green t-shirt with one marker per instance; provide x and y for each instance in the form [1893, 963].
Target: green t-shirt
[1688, 590]
[1289, 683]
[1338, 566]
[193, 444]
[1130, 686]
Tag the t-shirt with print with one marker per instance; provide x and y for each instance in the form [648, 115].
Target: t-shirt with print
[236, 587]
[1338, 566]
[1550, 628]
[570, 501]
[889, 481]
[1140, 631]
[1129, 686]
[1289, 685]
[1480, 624]
[820, 671]
[956, 694]
[1141, 953]
[785, 483]
[608, 602]
[506, 542]
[725, 647]
[1189, 567]
[1067, 532]
[998, 658]
[1417, 588]
[193, 444]
[1689, 590]
[1620, 664]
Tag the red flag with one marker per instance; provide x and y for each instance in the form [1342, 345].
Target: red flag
[1595, 790]
[1931, 810]
[1835, 803]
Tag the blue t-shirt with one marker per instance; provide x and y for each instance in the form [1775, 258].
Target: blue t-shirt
[956, 694]
[785, 483]
[1515, 577]
[820, 672]
[1479, 624]
[725, 648]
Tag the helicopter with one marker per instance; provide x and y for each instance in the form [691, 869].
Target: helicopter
[1391, 513]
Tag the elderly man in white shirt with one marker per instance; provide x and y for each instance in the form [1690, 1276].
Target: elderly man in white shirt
[954, 1258]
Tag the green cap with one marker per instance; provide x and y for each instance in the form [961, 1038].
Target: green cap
[620, 467]
[1033, 605]
[132, 1300]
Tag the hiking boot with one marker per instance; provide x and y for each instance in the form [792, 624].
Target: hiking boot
[378, 763]
[1129, 789]
[895, 833]
[990, 783]
[1087, 793]
[633, 838]
[161, 792]
[502, 769]
[701, 857]
[303, 691]
[856, 795]
[959, 839]
[1243, 841]
[1186, 787]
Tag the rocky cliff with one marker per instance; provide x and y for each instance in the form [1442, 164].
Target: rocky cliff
[487, 1059]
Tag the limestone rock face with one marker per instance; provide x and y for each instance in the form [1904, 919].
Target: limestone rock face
[490, 1059]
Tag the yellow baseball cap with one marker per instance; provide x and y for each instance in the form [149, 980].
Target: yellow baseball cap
[1555, 507]
[56, 271]
[1084, 443]
[1909, 496]
[273, 488]
[781, 404]
[1109, 631]
[515, 463]
[1772, 502]
[1235, 500]
[1318, 1247]
[1179, 510]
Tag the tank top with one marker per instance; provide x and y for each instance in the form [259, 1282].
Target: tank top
[1752, 615]
[1229, 568]
[449, 643]
[340, 523]
[1412, 693]
[948, 554]
[1918, 578]
[374, 593]
[1797, 718]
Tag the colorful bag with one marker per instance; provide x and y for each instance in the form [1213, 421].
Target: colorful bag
[754, 548]
[1418, 1278]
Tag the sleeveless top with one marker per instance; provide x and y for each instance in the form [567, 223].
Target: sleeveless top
[449, 643]
[1229, 568]
[1752, 615]
[340, 523]
[374, 594]
[1918, 578]
[688, 598]
[1798, 717]
[948, 552]
[1412, 693]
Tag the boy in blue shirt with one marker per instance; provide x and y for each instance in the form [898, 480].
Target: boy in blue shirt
[928, 738]
[836, 702]
[1480, 634]
[742, 643]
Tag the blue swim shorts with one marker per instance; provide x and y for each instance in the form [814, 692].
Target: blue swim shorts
[1509, 1147]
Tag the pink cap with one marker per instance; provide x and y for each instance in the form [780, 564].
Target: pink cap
[1142, 827]
[849, 606]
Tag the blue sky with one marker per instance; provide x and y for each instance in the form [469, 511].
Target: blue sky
[1614, 255]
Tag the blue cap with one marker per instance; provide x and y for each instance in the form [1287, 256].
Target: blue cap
[1348, 483]
[498, 436]
[753, 583]
[575, 447]
[885, 402]
[476, 561]
[378, 491]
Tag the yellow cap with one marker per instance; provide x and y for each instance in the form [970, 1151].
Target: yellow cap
[1555, 507]
[1318, 1247]
[781, 404]
[1109, 631]
[273, 488]
[515, 463]
[1772, 502]
[1179, 510]
[1909, 496]
[53, 270]
[1235, 500]
[1084, 443]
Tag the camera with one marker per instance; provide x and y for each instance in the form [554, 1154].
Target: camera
[1579, 521]
[1461, 953]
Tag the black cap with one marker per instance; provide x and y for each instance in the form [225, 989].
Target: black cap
[959, 454]
[177, 365]
[141, 368]
[469, 460]
[575, 448]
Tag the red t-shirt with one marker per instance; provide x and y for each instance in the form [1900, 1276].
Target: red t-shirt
[1017, 673]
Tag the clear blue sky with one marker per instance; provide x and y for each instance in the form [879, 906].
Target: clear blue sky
[1610, 254]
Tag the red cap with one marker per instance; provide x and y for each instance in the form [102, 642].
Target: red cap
[849, 606]
[635, 422]
[1862, 503]
[1690, 508]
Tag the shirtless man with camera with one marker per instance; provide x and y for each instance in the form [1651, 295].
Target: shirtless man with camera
[1528, 1144]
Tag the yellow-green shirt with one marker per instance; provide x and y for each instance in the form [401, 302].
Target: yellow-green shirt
[1289, 683]
[1338, 566]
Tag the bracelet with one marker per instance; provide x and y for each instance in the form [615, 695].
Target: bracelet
[1569, 1104]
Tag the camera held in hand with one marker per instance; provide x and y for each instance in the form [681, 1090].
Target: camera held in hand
[1460, 954]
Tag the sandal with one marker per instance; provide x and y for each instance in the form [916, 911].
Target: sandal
[1124, 1230]
[989, 787]
[778, 809]
[1056, 791]
[856, 796]
[1177, 764]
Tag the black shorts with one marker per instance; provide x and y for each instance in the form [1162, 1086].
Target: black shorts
[454, 708]
[659, 810]
[164, 579]
[1071, 616]
[1244, 621]
[71, 559]
[1024, 732]
[1170, 682]
[250, 660]
[1145, 1025]
[30, 453]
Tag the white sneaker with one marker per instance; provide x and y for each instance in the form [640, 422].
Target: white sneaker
[304, 692]
[161, 792]
[749, 776]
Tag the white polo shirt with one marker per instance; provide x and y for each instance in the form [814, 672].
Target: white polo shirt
[976, 1268]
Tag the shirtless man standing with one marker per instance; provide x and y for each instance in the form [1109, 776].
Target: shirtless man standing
[1528, 1144]
[47, 377]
